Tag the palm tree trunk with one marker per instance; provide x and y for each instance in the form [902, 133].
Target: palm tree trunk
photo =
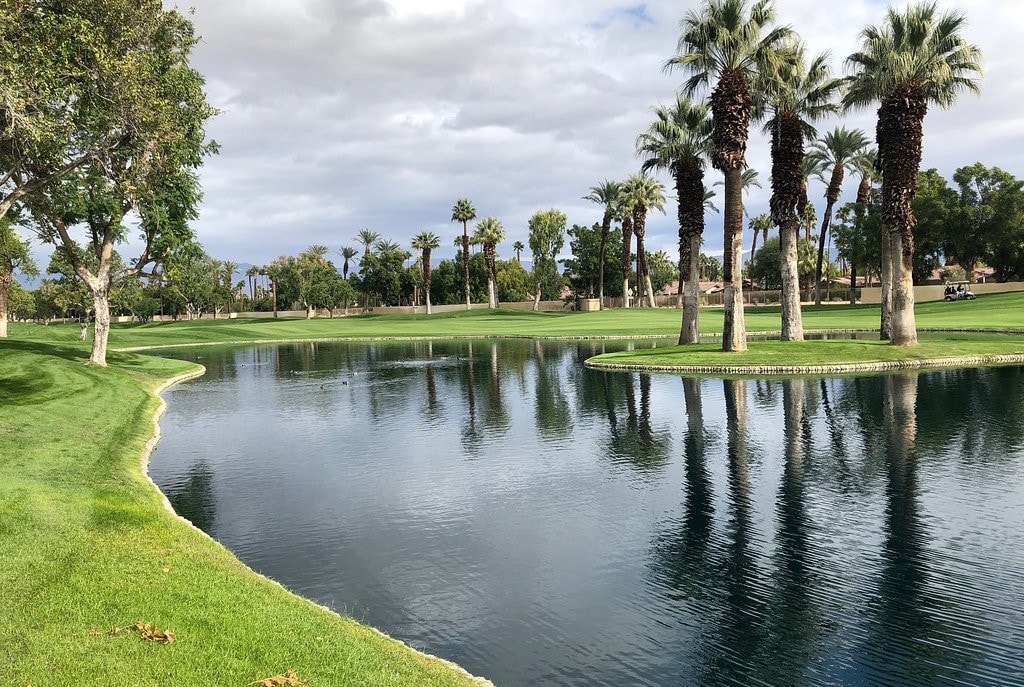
[5, 284]
[690, 330]
[606, 223]
[904, 323]
[825, 220]
[853, 281]
[885, 324]
[734, 331]
[465, 261]
[792, 316]
[627, 242]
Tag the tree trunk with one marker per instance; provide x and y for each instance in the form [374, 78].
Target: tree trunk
[853, 281]
[649, 288]
[606, 223]
[904, 323]
[690, 330]
[465, 262]
[885, 324]
[491, 299]
[734, 331]
[426, 295]
[625, 292]
[792, 316]
[5, 285]
[536, 299]
[101, 328]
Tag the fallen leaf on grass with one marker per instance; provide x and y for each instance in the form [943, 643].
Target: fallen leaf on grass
[287, 678]
[146, 631]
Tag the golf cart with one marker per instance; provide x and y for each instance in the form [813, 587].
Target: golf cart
[957, 291]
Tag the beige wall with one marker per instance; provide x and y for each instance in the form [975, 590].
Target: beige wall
[936, 292]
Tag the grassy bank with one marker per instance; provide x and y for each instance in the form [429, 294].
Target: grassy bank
[1000, 311]
[86, 545]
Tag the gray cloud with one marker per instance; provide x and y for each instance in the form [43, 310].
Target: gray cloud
[342, 115]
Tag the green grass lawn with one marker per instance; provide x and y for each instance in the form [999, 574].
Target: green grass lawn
[86, 545]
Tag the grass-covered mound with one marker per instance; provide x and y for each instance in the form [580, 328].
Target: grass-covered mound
[86, 546]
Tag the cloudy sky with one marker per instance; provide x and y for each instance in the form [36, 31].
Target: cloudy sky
[340, 115]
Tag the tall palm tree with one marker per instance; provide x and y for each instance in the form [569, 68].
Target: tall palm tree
[760, 224]
[724, 43]
[367, 238]
[518, 247]
[388, 247]
[914, 58]
[489, 233]
[606, 193]
[800, 92]
[463, 211]
[250, 278]
[864, 165]
[624, 214]
[837, 149]
[425, 242]
[678, 140]
[644, 194]
[347, 253]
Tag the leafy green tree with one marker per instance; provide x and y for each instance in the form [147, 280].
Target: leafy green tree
[605, 194]
[916, 57]
[710, 268]
[678, 140]
[583, 270]
[132, 101]
[934, 208]
[547, 236]
[988, 221]
[14, 257]
[513, 281]
[463, 211]
[839, 150]
[663, 270]
[725, 44]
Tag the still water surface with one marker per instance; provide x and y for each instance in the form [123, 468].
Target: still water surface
[498, 504]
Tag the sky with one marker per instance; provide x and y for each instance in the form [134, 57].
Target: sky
[342, 115]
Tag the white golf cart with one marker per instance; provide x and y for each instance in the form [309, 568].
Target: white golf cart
[958, 291]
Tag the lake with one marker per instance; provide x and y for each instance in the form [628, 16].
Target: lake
[499, 505]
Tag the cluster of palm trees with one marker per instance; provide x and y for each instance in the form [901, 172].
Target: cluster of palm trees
[745, 67]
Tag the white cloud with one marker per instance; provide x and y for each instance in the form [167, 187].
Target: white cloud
[364, 113]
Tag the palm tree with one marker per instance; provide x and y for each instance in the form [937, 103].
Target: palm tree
[317, 252]
[678, 140]
[518, 247]
[489, 233]
[864, 165]
[250, 278]
[388, 247]
[426, 241]
[606, 193]
[463, 211]
[724, 43]
[800, 93]
[229, 269]
[347, 253]
[837, 149]
[914, 58]
[761, 224]
[624, 214]
[367, 238]
[644, 193]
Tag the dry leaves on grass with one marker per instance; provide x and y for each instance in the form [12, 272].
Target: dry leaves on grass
[287, 678]
[146, 631]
